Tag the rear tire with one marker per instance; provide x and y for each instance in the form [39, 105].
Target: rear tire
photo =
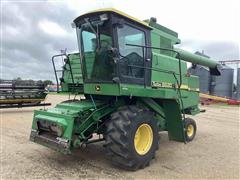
[131, 138]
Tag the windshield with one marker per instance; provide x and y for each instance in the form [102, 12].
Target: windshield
[96, 41]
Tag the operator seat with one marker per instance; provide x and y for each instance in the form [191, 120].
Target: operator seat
[132, 65]
[103, 67]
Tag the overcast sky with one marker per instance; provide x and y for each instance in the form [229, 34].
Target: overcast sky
[33, 31]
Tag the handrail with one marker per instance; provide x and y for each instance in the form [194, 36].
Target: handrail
[55, 71]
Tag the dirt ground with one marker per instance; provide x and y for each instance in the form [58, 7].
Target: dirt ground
[213, 154]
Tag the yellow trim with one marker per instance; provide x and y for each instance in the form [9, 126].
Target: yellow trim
[143, 139]
[190, 130]
[194, 89]
[20, 100]
[216, 98]
[157, 84]
[119, 12]
[184, 86]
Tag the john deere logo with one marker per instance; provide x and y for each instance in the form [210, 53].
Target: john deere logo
[97, 87]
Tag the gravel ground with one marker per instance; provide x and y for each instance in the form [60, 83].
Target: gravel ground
[213, 154]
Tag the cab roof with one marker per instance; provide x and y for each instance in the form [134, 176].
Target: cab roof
[113, 10]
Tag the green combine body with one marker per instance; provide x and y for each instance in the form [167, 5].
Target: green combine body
[135, 84]
[72, 81]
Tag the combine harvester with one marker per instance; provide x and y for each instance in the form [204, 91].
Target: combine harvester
[14, 94]
[135, 84]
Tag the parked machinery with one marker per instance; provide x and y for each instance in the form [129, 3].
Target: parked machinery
[20, 94]
[135, 84]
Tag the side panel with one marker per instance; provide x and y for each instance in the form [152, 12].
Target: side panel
[72, 82]
[140, 91]
[174, 120]
[166, 65]
[191, 94]
[190, 98]
[158, 110]
[101, 89]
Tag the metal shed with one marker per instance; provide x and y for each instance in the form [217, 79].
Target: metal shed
[204, 77]
[238, 84]
[223, 85]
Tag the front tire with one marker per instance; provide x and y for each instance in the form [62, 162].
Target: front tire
[131, 137]
[190, 129]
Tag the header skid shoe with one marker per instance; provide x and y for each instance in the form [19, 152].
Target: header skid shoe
[53, 142]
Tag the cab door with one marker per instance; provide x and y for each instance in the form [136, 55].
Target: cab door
[134, 55]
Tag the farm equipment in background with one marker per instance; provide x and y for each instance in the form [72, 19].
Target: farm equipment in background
[207, 99]
[14, 94]
[135, 84]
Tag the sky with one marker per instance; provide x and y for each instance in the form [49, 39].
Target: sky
[32, 31]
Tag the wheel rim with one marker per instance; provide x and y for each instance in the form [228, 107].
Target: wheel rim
[143, 139]
[190, 130]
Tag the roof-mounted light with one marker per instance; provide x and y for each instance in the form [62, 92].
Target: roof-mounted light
[103, 17]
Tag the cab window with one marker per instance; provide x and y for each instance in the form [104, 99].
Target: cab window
[131, 57]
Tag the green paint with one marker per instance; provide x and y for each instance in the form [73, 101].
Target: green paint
[74, 65]
[174, 120]
[193, 58]
[105, 89]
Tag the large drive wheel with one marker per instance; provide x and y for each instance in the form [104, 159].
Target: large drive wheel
[190, 129]
[131, 137]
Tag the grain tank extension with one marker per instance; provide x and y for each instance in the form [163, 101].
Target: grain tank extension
[135, 85]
